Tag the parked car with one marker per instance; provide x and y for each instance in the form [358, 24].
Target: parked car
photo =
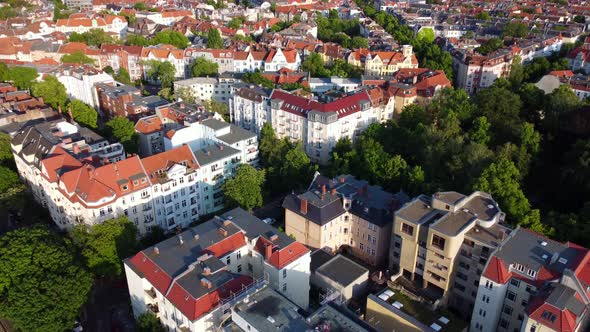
[269, 221]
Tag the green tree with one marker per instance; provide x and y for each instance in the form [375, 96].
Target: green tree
[426, 34]
[8, 179]
[137, 40]
[501, 180]
[123, 76]
[480, 132]
[341, 154]
[257, 78]
[51, 90]
[245, 189]
[4, 72]
[214, 39]
[485, 16]
[217, 107]
[235, 23]
[123, 131]
[140, 6]
[185, 94]
[161, 71]
[502, 109]
[202, 67]
[42, 286]
[6, 157]
[489, 46]
[83, 114]
[297, 168]
[93, 37]
[148, 322]
[579, 19]
[315, 66]
[515, 29]
[171, 37]
[77, 57]
[105, 245]
[22, 77]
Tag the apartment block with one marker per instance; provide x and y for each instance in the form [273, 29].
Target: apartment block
[344, 213]
[79, 81]
[475, 71]
[116, 99]
[383, 63]
[18, 107]
[249, 107]
[192, 280]
[122, 57]
[208, 88]
[442, 243]
[319, 125]
[532, 284]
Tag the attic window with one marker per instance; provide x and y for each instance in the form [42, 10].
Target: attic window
[531, 273]
[562, 260]
[135, 183]
[143, 180]
[125, 187]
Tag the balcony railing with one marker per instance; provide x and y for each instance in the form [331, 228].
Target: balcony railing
[153, 308]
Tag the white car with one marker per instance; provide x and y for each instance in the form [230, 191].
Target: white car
[269, 221]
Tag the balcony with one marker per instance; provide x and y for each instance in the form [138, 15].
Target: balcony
[153, 308]
[151, 293]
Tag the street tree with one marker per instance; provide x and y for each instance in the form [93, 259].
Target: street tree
[42, 285]
[245, 189]
[51, 90]
[83, 114]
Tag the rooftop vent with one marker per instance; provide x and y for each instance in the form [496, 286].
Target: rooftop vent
[270, 319]
[156, 250]
[544, 243]
[196, 237]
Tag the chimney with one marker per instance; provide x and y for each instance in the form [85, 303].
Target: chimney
[222, 231]
[180, 240]
[206, 271]
[196, 237]
[156, 250]
[342, 179]
[268, 251]
[333, 191]
[323, 190]
[303, 206]
[76, 148]
[274, 237]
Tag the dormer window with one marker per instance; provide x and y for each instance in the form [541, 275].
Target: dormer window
[519, 268]
[135, 183]
[531, 273]
[125, 187]
[143, 180]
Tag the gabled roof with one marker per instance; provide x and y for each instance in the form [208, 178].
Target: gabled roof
[496, 271]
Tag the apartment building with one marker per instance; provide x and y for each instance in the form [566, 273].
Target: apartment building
[320, 125]
[249, 107]
[532, 283]
[122, 57]
[208, 88]
[79, 81]
[475, 72]
[442, 243]
[344, 213]
[18, 107]
[81, 23]
[163, 53]
[383, 63]
[223, 58]
[191, 281]
[116, 99]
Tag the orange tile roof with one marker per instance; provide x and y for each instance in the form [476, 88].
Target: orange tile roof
[148, 125]
[165, 160]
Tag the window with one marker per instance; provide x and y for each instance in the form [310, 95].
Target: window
[482, 312]
[531, 273]
[228, 260]
[408, 229]
[524, 303]
[239, 268]
[372, 252]
[438, 242]
[504, 323]
[507, 310]
[489, 284]
[511, 296]
[528, 289]
[515, 282]
[284, 273]
[459, 286]
[362, 246]
[239, 255]
[284, 287]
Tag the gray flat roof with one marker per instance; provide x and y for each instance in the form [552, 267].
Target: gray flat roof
[236, 134]
[453, 223]
[254, 227]
[342, 270]
[319, 258]
[416, 210]
[268, 310]
[215, 124]
[214, 153]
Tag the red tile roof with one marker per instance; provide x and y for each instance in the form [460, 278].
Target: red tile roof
[496, 271]
[287, 255]
[148, 125]
[301, 106]
[156, 276]
[227, 245]
[164, 160]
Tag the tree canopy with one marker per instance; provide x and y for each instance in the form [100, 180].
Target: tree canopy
[245, 189]
[202, 67]
[123, 131]
[42, 285]
[77, 57]
[105, 245]
[22, 77]
[93, 37]
[214, 39]
[51, 90]
[83, 114]
[148, 322]
[170, 37]
[161, 71]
